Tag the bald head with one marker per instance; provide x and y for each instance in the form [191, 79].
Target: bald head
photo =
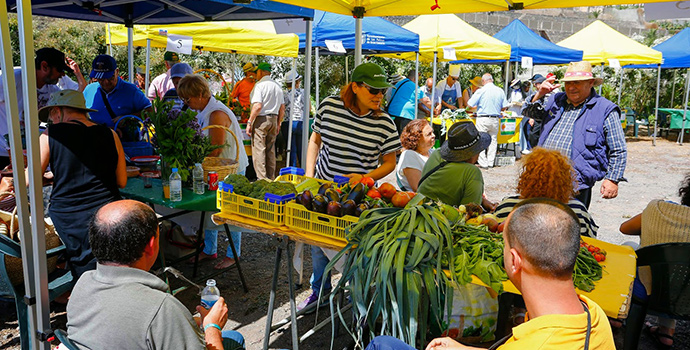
[429, 84]
[547, 234]
[119, 231]
[487, 78]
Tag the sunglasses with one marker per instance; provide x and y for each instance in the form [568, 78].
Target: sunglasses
[374, 91]
[454, 78]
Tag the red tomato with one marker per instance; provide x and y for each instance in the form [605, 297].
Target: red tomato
[599, 257]
[369, 182]
[401, 199]
[373, 193]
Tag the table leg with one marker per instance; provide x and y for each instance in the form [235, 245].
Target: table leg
[199, 242]
[237, 258]
[293, 307]
[272, 298]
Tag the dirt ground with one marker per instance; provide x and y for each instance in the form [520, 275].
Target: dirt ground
[652, 172]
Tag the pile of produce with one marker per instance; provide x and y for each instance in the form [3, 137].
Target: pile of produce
[397, 252]
[587, 266]
[258, 189]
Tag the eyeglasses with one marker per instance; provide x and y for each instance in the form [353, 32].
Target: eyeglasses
[374, 91]
[185, 99]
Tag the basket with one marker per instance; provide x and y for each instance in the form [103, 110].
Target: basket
[271, 210]
[222, 166]
[299, 218]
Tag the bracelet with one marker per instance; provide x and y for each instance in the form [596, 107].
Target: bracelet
[212, 325]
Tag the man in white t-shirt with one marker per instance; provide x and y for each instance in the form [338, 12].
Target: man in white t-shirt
[268, 109]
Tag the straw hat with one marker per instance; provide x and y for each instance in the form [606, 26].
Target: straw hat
[578, 71]
[249, 67]
[476, 81]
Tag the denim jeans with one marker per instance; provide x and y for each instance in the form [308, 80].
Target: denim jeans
[232, 340]
[524, 134]
[385, 342]
[319, 260]
[211, 243]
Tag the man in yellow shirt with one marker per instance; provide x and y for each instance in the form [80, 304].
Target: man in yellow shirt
[542, 240]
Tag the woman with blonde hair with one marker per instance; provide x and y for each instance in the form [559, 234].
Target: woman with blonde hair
[548, 174]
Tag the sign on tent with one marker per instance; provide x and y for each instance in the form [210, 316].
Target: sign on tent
[335, 46]
[179, 44]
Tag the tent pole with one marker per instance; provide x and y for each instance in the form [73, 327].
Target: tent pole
[318, 73]
[673, 88]
[148, 64]
[110, 41]
[21, 190]
[416, 84]
[656, 107]
[620, 88]
[516, 70]
[292, 109]
[433, 88]
[33, 250]
[358, 41]
[685, 108]
[130, 53]
[507, 82]
[347, 70]
[602, 77]
[307, 104]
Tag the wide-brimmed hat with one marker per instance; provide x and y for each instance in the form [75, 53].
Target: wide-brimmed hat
[289, 76]
[249, 67]
[476, 81]
[464, 141]
[578, 71]
[64, 98]
[514, 83]
[370, 74]
[395, 78]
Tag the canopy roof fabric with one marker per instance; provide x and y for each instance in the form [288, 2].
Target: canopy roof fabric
[437, 32]
[131, 12]
[423, 7]
[244, 37]
[676, 51]
[526, 43]
[601, 43]
[378, 34]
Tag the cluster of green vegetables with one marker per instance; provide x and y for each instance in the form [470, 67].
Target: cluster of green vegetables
[396, 252]
[258, 189]
[587, 271]
[479, 252]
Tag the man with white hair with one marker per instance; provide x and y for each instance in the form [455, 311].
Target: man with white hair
[489, 100]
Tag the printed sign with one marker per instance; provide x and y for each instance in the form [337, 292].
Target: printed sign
[526, 62]
[614, 63]
[508, 126]
[373, 39]
[179, 44]
[335, 46]
[449, 53]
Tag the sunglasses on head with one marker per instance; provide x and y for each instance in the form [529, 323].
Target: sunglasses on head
[374, 91]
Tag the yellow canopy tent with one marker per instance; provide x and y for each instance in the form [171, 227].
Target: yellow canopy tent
[244, 37]
[437, 32]
[600, 43]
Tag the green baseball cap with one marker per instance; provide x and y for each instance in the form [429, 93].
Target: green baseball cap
[171, 56]
[64, 98]
[371, 74]
[264, 66]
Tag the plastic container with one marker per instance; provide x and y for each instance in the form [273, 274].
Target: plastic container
[175, 186]
[210, 294]
[292, 170]
[271, 210]
[298, 218]
[198, 177]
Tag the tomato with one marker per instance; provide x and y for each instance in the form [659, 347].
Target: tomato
[373, 193]
[401, 199]
[591, 248]
[500, 227]
[387, 190]
[599, 257]
[366, 180]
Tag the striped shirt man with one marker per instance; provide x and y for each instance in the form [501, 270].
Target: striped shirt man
[351, 143]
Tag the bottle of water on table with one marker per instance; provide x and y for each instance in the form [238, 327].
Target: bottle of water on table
[175, 186]
[210, 294]
[198, 176]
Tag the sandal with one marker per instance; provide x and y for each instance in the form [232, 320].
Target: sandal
[225, 263]
[203, 256]
[655, 333]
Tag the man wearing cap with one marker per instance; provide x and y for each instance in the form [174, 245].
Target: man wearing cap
[162, 83]
[51, 65]
[268, 109]
[110, 95]
[402, 101]
[177, 72]
[450, 174]
[244, 87]
[585, 127]
[489, 101]
[448, 93]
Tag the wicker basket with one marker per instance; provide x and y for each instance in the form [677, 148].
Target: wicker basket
[222, 166]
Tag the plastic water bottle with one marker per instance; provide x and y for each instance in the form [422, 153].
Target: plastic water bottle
[198, 175]
[175, 186]
[210, 294]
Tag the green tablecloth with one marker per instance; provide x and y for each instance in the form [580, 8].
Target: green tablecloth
[676, 117]
[190, 200]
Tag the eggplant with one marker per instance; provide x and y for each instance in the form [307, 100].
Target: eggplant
[319, 204]
[306, 199]
[324, 187]
[334, 209]
[361, 208]
[357, 193]
[348, 207]
[332, 195]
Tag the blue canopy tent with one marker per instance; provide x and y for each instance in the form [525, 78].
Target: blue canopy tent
[676, 53]
[127, 12]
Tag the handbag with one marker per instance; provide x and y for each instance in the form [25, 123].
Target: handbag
[174, 242]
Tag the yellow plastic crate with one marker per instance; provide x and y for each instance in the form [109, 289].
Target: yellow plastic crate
[297, 179]
[299, 218]
[270, 213]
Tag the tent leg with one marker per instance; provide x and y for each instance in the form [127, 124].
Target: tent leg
[292, 109]
[318, 74]
[673, 88]
[656, 106]
[620, 88]
[507, 82]
[358, 41]
[148, 65]
[33, 250]
[347, 70]
[433, 88]
[685, 107]
[130, 53]
[110, 41]
[416, 84]
[307, 94]
[602, 77]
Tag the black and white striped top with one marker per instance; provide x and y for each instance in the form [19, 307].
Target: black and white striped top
[351, 143]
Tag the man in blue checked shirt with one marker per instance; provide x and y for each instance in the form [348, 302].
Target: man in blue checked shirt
[585, 127]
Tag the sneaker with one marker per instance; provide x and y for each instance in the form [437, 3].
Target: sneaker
[526, 151]
[313, 298]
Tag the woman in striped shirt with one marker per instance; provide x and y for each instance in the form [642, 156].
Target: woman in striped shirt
[548, 173]
[352, 137]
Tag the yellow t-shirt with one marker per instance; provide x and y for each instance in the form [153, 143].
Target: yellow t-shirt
[563, 332]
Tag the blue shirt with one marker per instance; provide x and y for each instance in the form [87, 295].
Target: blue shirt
[125, 99]
[402, 102]
[489, 100]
